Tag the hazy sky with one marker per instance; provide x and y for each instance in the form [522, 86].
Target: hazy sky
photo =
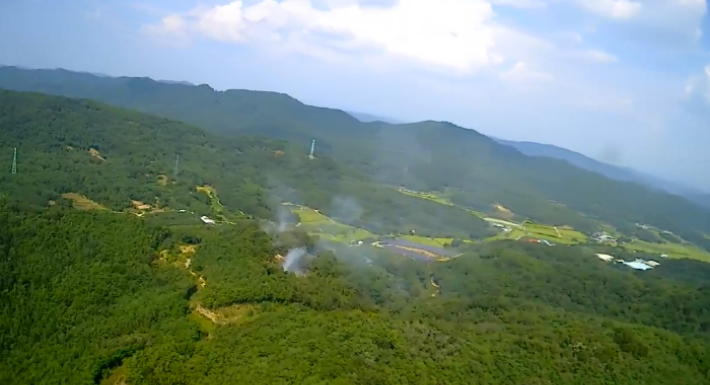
[625, 81]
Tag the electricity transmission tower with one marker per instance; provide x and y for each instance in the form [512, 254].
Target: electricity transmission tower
[313, 149]
[14, 162]
[177, 165]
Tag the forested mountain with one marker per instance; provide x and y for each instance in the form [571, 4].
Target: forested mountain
[105, 297]
[368, 118]
[101, 298]
[114, 156]
[477, 171]
[623, 174]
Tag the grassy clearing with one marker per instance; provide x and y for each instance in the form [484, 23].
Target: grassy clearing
[673, 250]
[561, 235]
[81, 202]
[517, 234]
[162, 180]
[426, 241]
[564, 233]
[218, 209]
[206, 326]
[319, 224]
[117, 377]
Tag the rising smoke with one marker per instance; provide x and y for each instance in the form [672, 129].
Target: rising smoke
[293, 262]
[345, 209]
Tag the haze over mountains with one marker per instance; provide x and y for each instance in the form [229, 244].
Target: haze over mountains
[78, 84]
[95, 289]
[619, 173]
[430, 156]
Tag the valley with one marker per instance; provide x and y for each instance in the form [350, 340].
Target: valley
[140, 250]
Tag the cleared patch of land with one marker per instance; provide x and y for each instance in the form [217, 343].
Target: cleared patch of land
[138, 205]
[503, 211]
[117, 377]
[436, 242]
[516, 231]
[81, 202]
[96, 154]
[162, 180]
[225, 315]
[672, 250]
[218, 209]
[327, 228]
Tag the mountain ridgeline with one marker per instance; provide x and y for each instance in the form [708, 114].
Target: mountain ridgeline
[91, 294]
[610, 171]
[477, 171]
[115, 156]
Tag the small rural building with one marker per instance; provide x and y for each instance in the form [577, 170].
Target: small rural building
[638, 264]
[605, 257]
[207, 220]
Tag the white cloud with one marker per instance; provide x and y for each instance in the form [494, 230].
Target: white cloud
[613, 9]
[572, 37]
[522, 73]
[521, 3]
[456, 34]
[599, 56]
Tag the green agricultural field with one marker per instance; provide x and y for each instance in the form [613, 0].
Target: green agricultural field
[568, 237]
[561, 235]
[556, 232]
[673, 250]
[427, 241]
[319, 224]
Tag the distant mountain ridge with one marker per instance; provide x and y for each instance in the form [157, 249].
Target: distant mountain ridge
[368, 118]
[476, 171]
[619, 173]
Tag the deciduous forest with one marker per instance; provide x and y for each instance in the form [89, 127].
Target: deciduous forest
[108, 276]
[81, 305]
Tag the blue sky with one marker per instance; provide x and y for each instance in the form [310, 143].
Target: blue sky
[624, 81]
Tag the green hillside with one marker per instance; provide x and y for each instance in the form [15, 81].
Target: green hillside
[426, 156]
[100, 298]
[117, 157]
[107, 275]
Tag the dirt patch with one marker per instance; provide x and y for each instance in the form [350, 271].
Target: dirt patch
[138, 205]
[502, 211]
[278, 153]
[225, 315]
[162, 180]
[96, 154]
[188, 250]
[81, 202]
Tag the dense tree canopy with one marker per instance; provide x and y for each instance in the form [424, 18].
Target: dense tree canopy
[134, 158]
[429, 156]
[81, 305]
[102, 296]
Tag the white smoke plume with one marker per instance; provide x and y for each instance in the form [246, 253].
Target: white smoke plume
[293, 260]
[345, 209]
